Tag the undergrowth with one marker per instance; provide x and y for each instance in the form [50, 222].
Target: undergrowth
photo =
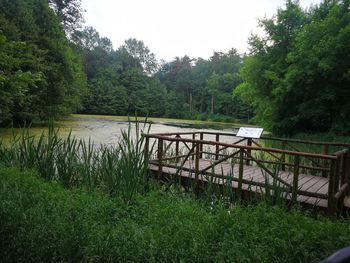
[42, 221]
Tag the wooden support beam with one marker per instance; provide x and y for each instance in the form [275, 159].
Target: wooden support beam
[184, 161]
[196, 167]
[283, 157]
[249, 143]
[344, 168]
[177, 147]
[220, 161]
[146, 150]
[341, 192]
[160, 158]
[261, 165]
[240, 174]
[193, 143]
[295, 179]
[201, 137]
[324, 162]
[331, 183]
[217, 147]
[167, 147]
[347, 173]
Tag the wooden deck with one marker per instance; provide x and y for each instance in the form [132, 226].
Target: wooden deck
[318, 178]
[254, 174]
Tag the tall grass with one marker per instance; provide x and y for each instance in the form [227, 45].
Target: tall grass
[118, 170]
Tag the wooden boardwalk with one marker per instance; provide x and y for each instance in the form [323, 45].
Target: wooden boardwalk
[319, 179]
[255, 175]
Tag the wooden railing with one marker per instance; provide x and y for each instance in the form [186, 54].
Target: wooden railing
[335, 166]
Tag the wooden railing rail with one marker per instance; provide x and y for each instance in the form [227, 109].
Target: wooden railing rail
[327, 169]
[263, 149]
[347, 145]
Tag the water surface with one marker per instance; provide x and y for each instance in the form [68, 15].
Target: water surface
[108, 129]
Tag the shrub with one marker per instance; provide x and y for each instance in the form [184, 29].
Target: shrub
[41, 221]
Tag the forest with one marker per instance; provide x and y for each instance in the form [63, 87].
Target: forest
[295, 78]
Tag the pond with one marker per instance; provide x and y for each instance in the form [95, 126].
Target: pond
[107, 129]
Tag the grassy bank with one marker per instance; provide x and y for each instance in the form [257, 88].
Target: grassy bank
[191, 120]
[41, 221]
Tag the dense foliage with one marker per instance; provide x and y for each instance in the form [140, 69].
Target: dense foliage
[119, 81]
[128, 81]
[41, 221]
[198, 86]
[297, 76]
[40, 75]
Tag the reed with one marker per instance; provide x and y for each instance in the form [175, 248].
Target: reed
[118, 170]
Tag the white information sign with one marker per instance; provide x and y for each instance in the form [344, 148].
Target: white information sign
[249, 132]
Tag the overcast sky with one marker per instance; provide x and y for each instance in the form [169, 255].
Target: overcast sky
[173, 28]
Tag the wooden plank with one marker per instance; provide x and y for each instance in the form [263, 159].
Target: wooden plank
[305, 181]
[250, 171]
[287, 176]
[314, 184]
[324, 189]
[321, 187]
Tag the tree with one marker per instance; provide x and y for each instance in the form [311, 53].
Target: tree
[142, 55]
[297, 75]
[40, 76]
[264, 71]
[318, 76]
[90, 39]
[70, 14]
[205, 85]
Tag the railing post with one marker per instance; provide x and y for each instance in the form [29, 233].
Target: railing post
[283, 157]
[240, 174]
[160, 158]
[217, 137]
[337, 176]
[196, 167]
[344, 168]
[343, 171]
[193, 138]
[201, 145]
[249, 143]
[347, 174]
[146, 150]
[325, 152]
[177, 143]
[295, 178]
[331, 185]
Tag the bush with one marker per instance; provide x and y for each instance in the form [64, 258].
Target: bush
[41, 221]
